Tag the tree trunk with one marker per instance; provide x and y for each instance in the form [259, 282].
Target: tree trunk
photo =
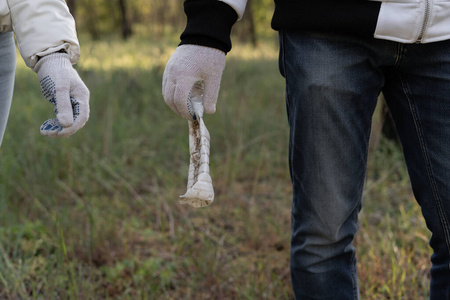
[252, 26]
[126, 25]
[71, 5]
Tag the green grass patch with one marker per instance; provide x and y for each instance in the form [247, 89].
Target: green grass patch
[96, 215]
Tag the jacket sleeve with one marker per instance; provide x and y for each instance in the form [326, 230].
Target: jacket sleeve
[43, 27]
[237, 5]
[209, 22]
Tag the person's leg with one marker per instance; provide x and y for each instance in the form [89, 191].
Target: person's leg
[7, 70]
[332, 84]
[418, 94]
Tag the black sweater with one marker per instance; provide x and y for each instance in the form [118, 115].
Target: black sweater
[209, 22]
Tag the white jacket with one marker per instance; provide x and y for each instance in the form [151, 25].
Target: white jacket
[405, 21]
[41, 27]
[410, 21]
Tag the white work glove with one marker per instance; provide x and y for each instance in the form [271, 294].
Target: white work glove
[187, 65]
[62, 87]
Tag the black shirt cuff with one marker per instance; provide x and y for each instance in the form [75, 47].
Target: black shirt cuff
[209, 24]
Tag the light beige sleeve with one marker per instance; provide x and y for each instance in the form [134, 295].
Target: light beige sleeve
[5, 17]
[237, 5]
[43, 27]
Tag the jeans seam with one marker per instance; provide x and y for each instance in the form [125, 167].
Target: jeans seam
[282, 65]
[284, 73]
[399, 55]
[283, 59]
[437, 199]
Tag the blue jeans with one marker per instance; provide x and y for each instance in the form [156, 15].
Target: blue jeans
[7, 71]
[332, 84]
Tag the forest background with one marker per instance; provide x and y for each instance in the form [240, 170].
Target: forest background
[96, 215]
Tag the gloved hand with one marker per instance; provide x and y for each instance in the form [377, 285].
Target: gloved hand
[188, 65]
[62, 87]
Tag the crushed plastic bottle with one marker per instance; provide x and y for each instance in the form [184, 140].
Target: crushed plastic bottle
[200, 191]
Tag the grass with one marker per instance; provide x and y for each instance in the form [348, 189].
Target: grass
[96, 215]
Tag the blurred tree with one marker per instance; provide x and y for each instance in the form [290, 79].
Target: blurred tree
[126, 24]
[98, 17]
[71, 4]
[251, 21]
[158, 18]
[255, 23]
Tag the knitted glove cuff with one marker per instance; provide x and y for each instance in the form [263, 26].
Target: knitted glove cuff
[209, 23]
[57, 59]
